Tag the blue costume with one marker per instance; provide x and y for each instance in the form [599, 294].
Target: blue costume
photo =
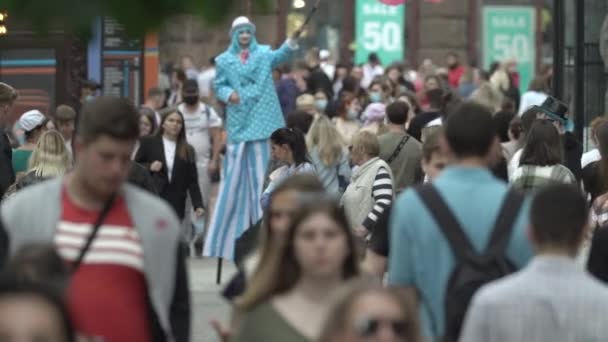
[249, 125]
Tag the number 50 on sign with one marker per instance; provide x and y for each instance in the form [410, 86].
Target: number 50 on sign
[379, 28]
[509, 32]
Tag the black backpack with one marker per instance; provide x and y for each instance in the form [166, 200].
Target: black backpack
[472, 270]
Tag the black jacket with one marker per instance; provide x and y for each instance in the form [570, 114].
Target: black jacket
[184, 178]
[7, 174]
[141, 177]
[598, 255]
[419, 122]
[573, 151]
[318, 80]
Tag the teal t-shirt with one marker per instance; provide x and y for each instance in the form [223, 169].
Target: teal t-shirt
[421, 257]
[21, 159]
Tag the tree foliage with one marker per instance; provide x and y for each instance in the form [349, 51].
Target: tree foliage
[138, 16]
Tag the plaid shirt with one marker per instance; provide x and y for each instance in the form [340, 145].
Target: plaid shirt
[530, 177]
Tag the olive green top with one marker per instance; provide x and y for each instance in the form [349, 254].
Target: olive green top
[21, 159]
[265, 324]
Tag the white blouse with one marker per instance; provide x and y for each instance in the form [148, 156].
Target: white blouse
[170, 147]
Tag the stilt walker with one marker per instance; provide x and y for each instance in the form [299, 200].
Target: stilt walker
[244, 83]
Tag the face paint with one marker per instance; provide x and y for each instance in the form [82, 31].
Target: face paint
[244, 37]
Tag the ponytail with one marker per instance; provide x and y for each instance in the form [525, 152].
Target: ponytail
[294, 138]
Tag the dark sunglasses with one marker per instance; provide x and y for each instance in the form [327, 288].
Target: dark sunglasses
[369, 327]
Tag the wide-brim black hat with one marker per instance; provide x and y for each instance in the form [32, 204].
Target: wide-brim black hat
[554, 107]
[556, 110]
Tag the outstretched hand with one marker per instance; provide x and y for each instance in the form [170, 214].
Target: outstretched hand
[297, 33]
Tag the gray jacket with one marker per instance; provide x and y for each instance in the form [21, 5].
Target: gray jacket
[32, 215]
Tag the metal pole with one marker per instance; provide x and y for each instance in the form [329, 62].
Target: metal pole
[414, 33]
[559, 24]
[539, 4]
[580, 115]
[284, 7]
[348, 30]
[473, 32]
[218, 279]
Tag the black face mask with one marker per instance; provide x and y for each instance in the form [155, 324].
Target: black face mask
[191, 100]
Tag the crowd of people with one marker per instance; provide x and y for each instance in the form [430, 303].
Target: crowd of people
[359, 203]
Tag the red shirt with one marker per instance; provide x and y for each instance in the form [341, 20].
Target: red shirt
[107, 296]
[454, 76]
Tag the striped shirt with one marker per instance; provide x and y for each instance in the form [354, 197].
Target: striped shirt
[110, 282]
[118, 245]
[382, 192]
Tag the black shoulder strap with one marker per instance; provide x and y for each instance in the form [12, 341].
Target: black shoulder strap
[102, 216]
[447, 222]
[504, 223]
[398, 149]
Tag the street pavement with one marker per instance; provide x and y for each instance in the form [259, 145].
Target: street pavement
[207, 304]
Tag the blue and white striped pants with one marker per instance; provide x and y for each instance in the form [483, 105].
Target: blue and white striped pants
[238, 204]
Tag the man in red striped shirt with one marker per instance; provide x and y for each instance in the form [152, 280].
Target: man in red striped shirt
[131, 284]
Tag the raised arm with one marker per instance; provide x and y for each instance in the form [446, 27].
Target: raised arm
[284, 53]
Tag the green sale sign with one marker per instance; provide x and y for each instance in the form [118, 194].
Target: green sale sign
[509, 32]
[379, 28]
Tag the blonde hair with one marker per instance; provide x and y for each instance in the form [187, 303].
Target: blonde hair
[305, 100]
[500, 79]
[488, 96]
[326, 140]
[50, 158]
[367, 142]
[430, 133]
